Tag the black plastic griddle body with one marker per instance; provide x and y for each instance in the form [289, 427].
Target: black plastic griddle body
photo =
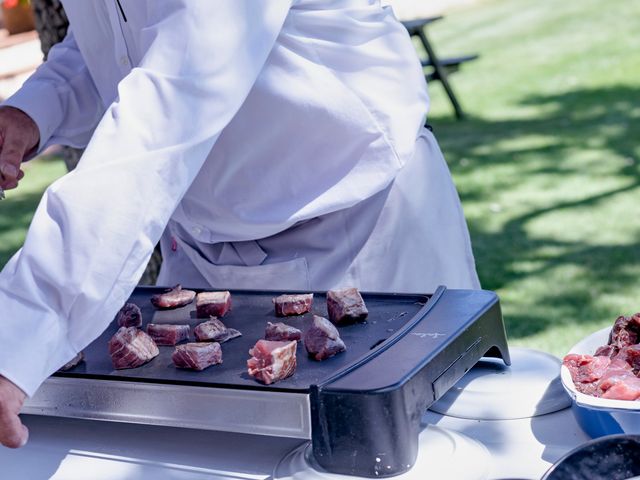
[366, 403]
[367, 418]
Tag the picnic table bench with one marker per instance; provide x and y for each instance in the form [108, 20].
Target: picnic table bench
[437, 68]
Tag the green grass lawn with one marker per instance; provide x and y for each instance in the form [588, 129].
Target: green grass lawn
[546, 164]
[17, 209]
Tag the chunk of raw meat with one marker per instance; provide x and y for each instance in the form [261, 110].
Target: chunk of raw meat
[625, 331]
[619, 384]
[346, 306]
[606, 351]
[293, 304]
[130, 348]
[164, 334]
[271, 361]
[631, 355]
[197, 356]
[72, 363]
[281, 332]
[322, 339]
[174, 298]
[585, 368]
[212, 304]
[129, 316]
[214, 331]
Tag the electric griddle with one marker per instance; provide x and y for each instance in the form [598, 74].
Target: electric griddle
[361, 409]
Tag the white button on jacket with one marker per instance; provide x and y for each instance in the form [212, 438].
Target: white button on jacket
[233, 120]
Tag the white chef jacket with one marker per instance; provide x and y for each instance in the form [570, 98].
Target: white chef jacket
[229, 120]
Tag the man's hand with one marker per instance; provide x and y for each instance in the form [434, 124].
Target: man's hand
[13, 433]
[19, 135]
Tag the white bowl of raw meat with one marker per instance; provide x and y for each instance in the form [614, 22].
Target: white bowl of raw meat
[596, 384]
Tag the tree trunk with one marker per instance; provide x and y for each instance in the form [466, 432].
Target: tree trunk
[52, 24]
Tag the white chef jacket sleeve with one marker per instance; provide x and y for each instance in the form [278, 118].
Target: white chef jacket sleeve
[61, 97]
[96, 227]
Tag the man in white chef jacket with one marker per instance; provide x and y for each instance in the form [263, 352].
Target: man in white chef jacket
[272, 145]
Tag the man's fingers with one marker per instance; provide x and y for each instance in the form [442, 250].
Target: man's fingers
[10, 159]
[13, 433]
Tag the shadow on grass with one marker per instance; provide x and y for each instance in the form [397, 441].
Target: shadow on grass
[605, 120]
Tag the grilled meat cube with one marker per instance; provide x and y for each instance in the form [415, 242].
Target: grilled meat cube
[173, 298]
[130, 348]
[72, 363]
[214, 331]
[271, 362]
[129, 316]
[346, 306]
[197, 356]
[164, 334]
[212, 304]
[322, 339]
[293, 304]
[281, 332]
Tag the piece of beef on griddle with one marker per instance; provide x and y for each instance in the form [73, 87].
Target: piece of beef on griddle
[281, 332]
[129, 316]
[346, 306]
[197, 356]
[272, 361]
[72, 363]
[214, 330]
[173, 298]
[212, 304]
[130, 348]
[297, 304]
[166, 334]
[322, 339]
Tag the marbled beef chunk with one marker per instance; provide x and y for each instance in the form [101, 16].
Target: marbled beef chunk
[585, 368]
[214, 331]
[346, 306]
[631, 355]
[174, 298]
[619, 382]
[606, 351]
[271, 362]
[212, 304]
[322, 339]
[281, 332]
[72, 363]
[197, 356]
[129, 316]
[293, 304]
[165, 334]
[130, 348]
[625, 331]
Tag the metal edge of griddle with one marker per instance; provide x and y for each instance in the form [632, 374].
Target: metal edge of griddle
[204, 408]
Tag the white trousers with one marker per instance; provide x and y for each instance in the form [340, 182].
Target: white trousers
[411, 237]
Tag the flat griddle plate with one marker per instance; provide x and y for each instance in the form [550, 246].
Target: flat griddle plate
[250, 312]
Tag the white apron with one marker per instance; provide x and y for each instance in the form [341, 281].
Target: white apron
[411, 237]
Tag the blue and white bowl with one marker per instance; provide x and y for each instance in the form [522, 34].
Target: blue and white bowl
[600, 416]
